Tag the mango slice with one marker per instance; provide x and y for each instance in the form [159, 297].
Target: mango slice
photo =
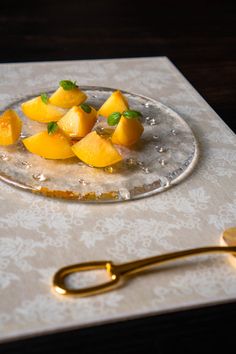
[77, 123]
[49, 146]
[36, 109]
[127, 132]
[67, 98]
[115, 103]
[96, 151]
[10, 127]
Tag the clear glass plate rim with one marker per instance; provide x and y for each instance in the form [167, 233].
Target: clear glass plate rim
[17, 98]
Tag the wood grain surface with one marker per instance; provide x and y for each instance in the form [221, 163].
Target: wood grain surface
[199, 38]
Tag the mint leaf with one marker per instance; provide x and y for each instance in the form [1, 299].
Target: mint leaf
[114, 118]
[52, 127]
[86, 108]
[68, 85]
[131, 114]
[44, 97]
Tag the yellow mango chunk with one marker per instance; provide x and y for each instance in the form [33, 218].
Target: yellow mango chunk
[96, 151]
[77, 123]
[10, 127]
[67, 98]
[127, 132]
[50, 146]
[115, 103]
[36, 109]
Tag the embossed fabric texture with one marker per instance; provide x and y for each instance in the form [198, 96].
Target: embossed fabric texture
[40, 235]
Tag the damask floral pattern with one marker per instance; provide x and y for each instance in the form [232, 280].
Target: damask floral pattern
[40, 235]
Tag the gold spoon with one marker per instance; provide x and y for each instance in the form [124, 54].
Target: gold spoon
[119, 273]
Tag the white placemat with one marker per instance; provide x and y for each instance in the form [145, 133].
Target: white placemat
[40, 235]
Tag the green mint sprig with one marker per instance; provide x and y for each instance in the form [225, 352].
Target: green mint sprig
[114, 118]
[44, 97]
[68, 85]
[131, 114]
[86, 108]
[52, 127]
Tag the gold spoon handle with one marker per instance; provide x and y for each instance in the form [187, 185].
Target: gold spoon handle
[118, 272]
[140, 265]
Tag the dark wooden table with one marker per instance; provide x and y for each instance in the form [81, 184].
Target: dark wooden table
[199, 37]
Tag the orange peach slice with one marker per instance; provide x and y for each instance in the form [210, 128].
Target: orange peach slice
[115, 103]
[50, 146]
[127, 132]
[67, 98]
[40, 111]
[96, 151]
[10, 127]
[77, 122]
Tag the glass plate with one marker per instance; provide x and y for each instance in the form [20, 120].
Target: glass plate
[166, 153]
